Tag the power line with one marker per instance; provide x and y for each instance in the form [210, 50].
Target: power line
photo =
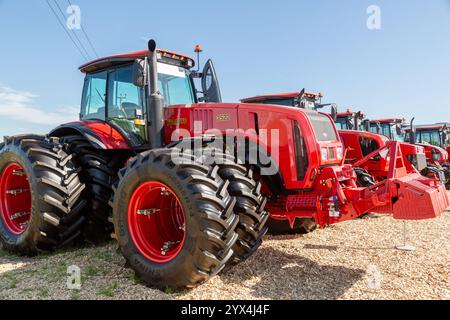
[73, 32]
[67, 32]
[86, 36]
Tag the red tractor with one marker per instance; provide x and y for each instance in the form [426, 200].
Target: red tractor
[434, 139]
[353, 130]
[188, 182]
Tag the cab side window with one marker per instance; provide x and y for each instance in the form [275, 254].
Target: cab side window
[93, 104]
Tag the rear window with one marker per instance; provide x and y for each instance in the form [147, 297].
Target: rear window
[323, 127]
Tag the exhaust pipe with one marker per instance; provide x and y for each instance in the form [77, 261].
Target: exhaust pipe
[412, 132]
[154, 100]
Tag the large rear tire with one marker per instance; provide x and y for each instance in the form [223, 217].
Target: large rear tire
[174, 221]
[41, 207]
[99, 173]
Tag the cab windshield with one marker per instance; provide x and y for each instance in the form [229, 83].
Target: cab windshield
[323, 127]
[388, 130]
[342, 124]
[429, 136]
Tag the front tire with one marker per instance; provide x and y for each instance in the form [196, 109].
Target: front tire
[154, 198]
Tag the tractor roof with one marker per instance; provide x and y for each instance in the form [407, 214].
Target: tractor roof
[349, 113]
[128, 57]
[388, 120]
[278, 96]
[435, 126]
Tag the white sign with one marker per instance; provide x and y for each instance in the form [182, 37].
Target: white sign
[171, 70]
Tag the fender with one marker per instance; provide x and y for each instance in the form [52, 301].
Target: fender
[99, 133]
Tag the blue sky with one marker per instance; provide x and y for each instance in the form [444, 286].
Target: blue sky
[257, 46]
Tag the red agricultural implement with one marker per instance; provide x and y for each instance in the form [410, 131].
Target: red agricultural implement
[188, 182]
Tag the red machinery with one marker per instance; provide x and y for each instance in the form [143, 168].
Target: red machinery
[433, 138]
[201, 178]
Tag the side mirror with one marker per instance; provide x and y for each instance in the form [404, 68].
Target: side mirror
[210, 84]
[139, 72]
[334, 112]
[399, 130]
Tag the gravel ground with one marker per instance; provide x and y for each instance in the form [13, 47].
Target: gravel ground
[351, 260]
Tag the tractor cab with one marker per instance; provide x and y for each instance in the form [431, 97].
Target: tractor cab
[350, 120]
[114, 90]
[392, 128]
[302, 99]
[435, 134]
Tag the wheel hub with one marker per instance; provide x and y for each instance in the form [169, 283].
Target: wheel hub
[156, 221]
[15, 199]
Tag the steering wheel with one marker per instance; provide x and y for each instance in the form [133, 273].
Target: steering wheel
[118, 112]
[122, 111]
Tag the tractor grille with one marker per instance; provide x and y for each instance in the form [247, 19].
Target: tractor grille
[205, 116]
[301, 201]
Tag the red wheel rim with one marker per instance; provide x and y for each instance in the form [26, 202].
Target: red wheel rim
[156, 221]
[15, 199]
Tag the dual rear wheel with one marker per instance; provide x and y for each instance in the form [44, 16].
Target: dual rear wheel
[179, 222]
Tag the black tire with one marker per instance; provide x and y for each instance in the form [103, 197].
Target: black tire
[282, 227]
[210, 222]
[447, 177]
[250, 207]
[363, 178]
[438, 171]
[99, 172]
[56, 216]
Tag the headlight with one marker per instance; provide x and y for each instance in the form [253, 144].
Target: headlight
[324, 154]
[340, 152]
